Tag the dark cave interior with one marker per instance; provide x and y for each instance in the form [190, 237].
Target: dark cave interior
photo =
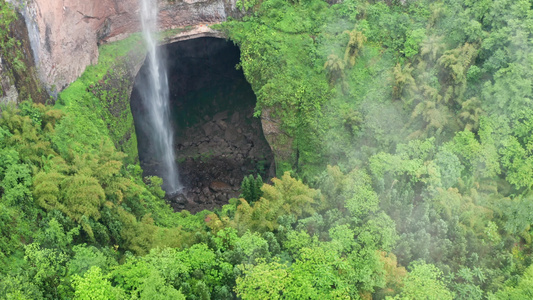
[217, 140]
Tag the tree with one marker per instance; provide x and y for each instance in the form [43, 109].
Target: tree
[424, 281]
[470, 114]
[288, 196]
[404, 83]
[435, 116]
[334, 67]
[95, 286]
[45, 268]
[264, 281]
[154, 287]
[454, 65]
[251, 188]
[355, 45]
[431, 47]
[523, 289]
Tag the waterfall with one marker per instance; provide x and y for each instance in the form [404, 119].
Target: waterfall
[154, 94]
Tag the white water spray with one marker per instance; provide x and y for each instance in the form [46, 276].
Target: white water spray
[155, 96]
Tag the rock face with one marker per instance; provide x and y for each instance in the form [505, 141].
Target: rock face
[65, 34]
[18, 79]
[280, 142]
[8, 91]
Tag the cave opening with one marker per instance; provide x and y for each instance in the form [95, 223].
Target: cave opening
[217, 141]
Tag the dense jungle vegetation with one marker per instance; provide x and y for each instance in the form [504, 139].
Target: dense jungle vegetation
[411, 172]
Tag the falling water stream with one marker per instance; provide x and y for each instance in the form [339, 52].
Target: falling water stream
[155, 97]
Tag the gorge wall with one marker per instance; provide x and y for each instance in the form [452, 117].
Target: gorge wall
[65, 35]
[60, 39]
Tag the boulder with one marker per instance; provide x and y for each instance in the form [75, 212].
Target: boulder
[221, 116]
[220, 187]
[209, 128]
[235, 118]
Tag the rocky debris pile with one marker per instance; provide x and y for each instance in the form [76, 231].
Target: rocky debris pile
[224, 136]
[219, 153]
[209, 184]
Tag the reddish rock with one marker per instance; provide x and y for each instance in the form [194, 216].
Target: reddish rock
[218, 186]
[65, 34]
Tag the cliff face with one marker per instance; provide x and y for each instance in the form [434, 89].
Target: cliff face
[65, 34]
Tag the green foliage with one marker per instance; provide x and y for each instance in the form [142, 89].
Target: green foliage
[29, 138]
[264, 281]
[154, 288]
[351, 191]
[412, 42]
[246, 5]
[10, 45]
[335, 68]
[251, 188]
[318, 271]
[98, 102]
[424, 281]
[19, 288]
[422, 108]
[45, 268]
[520, 290]
[93, 285]
[288, 80]
[286, 196]
[355, 44]
[54, 235]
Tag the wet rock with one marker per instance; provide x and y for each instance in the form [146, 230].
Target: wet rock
[211, 198]
[218, 140]
[178, 198]
[199, 199]
[190, 197]
[205, 148]
[178, 201]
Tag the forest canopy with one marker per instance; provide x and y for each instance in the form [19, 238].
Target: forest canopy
[410, 172]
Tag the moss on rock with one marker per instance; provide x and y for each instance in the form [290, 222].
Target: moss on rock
[101, 95]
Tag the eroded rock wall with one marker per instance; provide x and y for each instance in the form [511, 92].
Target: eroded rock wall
[65, 34]
[18, 76]
[8, 91]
